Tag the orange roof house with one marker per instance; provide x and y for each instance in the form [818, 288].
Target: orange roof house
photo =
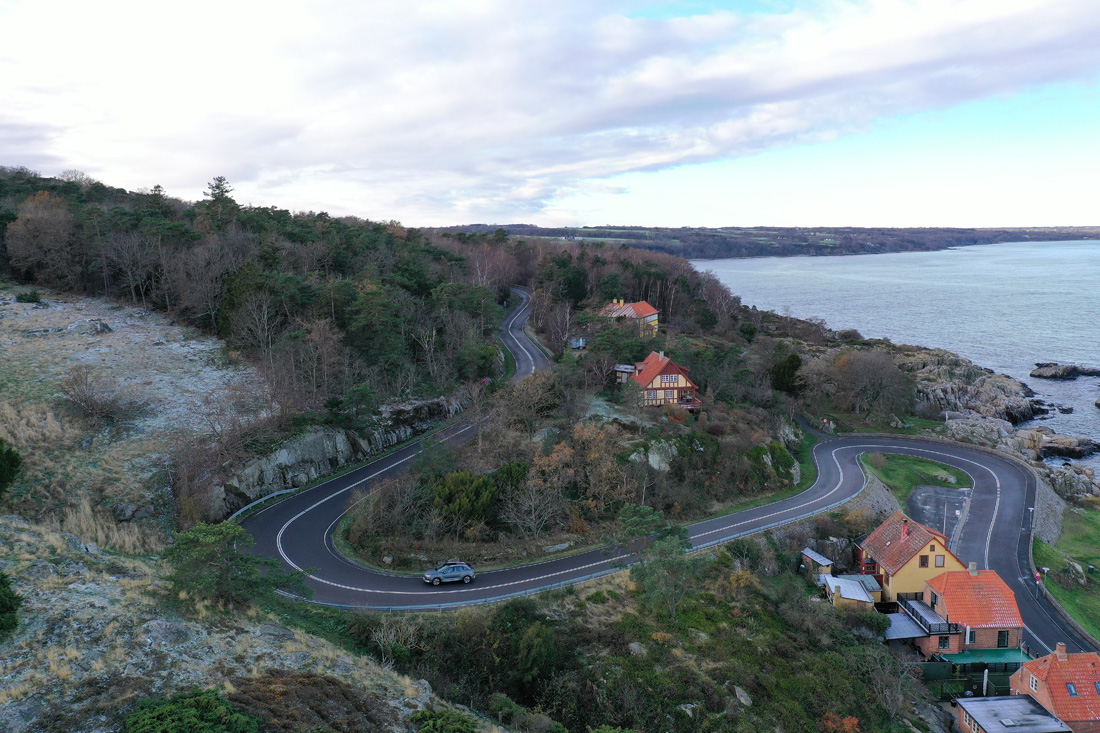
[664, 382]
[905, 554]
[983, 607]
[1068, 685]
[641, 313]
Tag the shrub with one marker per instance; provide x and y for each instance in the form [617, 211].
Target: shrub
[443, 721]
[206, 562]
[31, 296]
[10, 601]
[190, 712]
[10, 463]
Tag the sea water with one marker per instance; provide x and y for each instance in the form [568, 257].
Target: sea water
[1003, 306]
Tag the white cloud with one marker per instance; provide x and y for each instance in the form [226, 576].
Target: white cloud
[459, 110]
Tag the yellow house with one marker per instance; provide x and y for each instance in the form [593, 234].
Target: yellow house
[904, 555]
[642, 314]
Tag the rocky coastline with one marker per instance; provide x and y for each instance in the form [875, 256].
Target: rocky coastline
[984, 408]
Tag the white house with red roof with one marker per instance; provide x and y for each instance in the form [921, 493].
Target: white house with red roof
[1068, 685]
[664, 382]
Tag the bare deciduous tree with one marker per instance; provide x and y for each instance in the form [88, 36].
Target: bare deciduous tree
[869, 381]
[133, 259]
[40, 241]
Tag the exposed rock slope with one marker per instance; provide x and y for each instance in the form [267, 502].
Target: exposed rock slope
[95, 636]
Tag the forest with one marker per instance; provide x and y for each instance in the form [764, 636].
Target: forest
[724, 242]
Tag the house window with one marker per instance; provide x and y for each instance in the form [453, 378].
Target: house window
[1035, 683]
[931, 548]
[924, 561]
[945, 642]
[668, 379]
[935, 600]
[670, 394]
[939, 561]
[1072, 689]
[1002, 639]
[972, 636]
[651, 394]
[966, 719]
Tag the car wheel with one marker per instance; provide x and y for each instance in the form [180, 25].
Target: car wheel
[466, 578]
[435, 581]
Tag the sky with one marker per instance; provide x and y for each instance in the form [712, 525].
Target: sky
[564, 113]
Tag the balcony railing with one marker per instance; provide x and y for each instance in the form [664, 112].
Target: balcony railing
[914, 611]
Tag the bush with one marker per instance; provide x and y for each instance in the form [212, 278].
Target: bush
[10, 601]
[10, 463]
[190, 712]
[31, 296]
[443, 721]
[206, 562]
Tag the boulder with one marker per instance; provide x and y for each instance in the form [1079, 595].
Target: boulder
[161, 634]
[1067, 446]
[124, 511]
[1053, 370]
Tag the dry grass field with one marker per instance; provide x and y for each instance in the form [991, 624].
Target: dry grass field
[176, 381]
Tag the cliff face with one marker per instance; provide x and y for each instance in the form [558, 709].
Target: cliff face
[322, 450]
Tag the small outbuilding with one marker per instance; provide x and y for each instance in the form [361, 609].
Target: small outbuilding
[847, 594]
[815, 563]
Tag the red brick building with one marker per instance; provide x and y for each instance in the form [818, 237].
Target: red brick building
[1068, 685]
[983, 607]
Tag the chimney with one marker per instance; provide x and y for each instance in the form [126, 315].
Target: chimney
[662, 354]
[973, 569]
[1060, 652]
[905, 528]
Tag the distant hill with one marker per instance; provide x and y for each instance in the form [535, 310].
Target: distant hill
[706, 243]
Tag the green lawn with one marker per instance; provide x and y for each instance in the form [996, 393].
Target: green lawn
[902, 473]
[1080, 537]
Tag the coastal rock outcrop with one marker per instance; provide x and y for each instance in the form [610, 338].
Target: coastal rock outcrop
[322, 450]
[1053, 370]
[946, 382]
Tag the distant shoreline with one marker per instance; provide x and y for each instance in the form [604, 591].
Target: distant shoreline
[705, 243]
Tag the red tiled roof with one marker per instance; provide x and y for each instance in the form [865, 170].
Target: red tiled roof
[978, 601]
[1083, 671]
[641, 309]
[654, 366]
[891, 550]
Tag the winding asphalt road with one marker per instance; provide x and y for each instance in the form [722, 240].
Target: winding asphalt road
[995, 532]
